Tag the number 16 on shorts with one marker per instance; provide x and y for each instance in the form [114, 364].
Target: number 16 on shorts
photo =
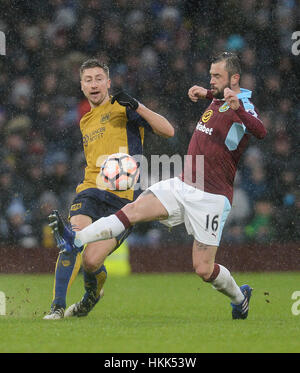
[212, 223]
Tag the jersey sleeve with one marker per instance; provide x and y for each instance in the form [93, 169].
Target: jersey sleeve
[251, 121]
[135, 118]
[209, 95]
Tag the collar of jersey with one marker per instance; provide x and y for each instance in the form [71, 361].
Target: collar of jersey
[245, 93]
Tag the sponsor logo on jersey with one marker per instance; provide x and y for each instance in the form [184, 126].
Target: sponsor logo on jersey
[92, 136]
[206, 116]
[105, 118]
[224, 107]
[202, 127]
[76, 206]
[252, 112]
[85, 140]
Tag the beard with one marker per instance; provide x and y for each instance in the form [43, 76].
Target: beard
[219, 94]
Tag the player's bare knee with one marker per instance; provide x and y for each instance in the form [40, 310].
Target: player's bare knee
[203, 271]
[89, 264]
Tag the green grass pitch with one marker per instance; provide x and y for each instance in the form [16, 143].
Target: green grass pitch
[152, 313]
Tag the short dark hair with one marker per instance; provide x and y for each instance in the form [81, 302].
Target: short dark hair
[93, 62]
[232, 62]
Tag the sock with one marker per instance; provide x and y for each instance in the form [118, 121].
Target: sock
[93, 282]
[66, 270]
[103, 229]
[222, 280]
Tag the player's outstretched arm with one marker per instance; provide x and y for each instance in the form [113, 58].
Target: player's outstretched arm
[160, 125]
[195, 93]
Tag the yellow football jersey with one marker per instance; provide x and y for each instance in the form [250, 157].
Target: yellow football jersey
[109, 129]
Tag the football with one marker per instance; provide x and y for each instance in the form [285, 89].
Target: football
[119, 172]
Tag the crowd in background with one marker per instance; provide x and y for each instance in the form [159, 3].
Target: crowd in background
[156, 50]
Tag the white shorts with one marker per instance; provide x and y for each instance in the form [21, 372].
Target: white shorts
[204, 214]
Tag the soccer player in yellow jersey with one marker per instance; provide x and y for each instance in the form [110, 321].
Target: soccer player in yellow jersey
[114, 124]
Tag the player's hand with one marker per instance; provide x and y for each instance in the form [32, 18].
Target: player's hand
[124, 99]
[197, 92]
[231, 98]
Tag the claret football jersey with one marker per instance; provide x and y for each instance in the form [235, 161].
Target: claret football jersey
[219, 139]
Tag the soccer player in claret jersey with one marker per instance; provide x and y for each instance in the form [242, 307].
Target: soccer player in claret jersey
[114, 124]
[200, 197]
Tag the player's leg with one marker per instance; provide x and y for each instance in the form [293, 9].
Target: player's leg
[66, 270]
[95, 251]
[205, 217]
[205, 267]
[220, 278]
[94, 272]
[158, 202]
[85, 209]
[146, 208]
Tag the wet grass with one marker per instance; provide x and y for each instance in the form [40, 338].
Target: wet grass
[152, 313]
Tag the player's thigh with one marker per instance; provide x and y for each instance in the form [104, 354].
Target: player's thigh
[203, 256]
[80, 221]
[146, 208]
[205, 216]
[94, 253]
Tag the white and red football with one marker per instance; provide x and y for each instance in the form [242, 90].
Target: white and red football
[119, 171]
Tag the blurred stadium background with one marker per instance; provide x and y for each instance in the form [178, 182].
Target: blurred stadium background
[156, 50]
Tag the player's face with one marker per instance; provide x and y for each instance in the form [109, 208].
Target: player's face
[219, 79]
[95, 85]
